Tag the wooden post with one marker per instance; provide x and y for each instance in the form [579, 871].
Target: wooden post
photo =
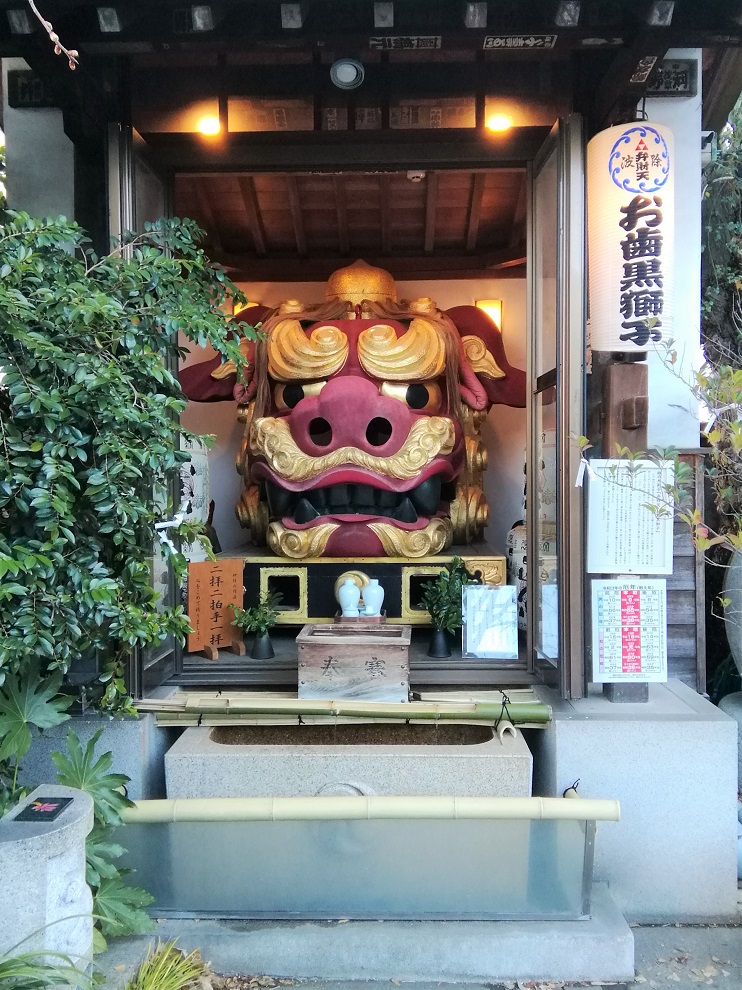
[625, 407]
[625, 413]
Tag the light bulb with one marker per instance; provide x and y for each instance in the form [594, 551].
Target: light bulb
[499, 122]
[209, 125]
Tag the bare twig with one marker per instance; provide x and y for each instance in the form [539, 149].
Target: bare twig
[59, 49]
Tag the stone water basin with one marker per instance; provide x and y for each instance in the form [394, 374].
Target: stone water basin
[357, 758]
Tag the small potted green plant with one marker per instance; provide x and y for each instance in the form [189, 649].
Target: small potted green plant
[259, 619]
[442, 598]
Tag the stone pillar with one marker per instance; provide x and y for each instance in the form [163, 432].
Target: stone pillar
[45, 903]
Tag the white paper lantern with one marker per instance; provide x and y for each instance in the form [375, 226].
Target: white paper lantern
[630, 237]
[194, 492]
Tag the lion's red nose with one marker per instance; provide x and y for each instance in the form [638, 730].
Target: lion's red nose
[350, 412]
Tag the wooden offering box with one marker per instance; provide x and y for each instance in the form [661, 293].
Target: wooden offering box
[363, 664]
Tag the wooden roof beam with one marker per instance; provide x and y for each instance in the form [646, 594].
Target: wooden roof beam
[250, 201]
[296, 215]
[204, 206]
[475, 211]
[625, 81]
[385, 192]
[507, 263]
[341, 208]
[431, 202]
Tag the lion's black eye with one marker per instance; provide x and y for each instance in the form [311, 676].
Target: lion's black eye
[289, 394]
[417, 396]
[420, 396]
[292, 394]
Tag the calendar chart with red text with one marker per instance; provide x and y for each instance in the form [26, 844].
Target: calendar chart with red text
[629, 630]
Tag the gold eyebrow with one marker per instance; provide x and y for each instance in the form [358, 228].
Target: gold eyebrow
[417, 355]
[292, 356]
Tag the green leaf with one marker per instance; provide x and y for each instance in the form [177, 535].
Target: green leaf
[118, 906]
[24, 701]
[99, 942]
[81, 769]
[100, 850]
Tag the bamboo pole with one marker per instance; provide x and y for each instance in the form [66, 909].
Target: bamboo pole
[479, 711]
[330, 808]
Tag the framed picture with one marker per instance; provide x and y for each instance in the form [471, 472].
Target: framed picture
[490, 622]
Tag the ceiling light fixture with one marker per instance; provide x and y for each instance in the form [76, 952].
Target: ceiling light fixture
[202, 18]
[568, 13]
[208, 126]
[108, 20]
[292, 16]
[498, 122]
[660, 13]
[20, 22]
[383, 15]
[475, 15]
[347, 73]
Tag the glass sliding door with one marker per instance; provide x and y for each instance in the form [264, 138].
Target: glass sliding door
[556, 273]
[138, 194]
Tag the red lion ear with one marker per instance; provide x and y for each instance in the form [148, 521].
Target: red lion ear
[211, 381]
[484, 355]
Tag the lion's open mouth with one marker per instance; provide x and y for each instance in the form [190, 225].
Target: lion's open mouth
[355, 499]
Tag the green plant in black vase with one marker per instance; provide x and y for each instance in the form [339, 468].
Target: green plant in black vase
[259, 619]
[442, 598]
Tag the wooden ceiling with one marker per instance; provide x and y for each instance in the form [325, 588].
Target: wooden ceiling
[301, 227]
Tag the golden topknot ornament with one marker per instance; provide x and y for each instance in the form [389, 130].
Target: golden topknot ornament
[360, 281]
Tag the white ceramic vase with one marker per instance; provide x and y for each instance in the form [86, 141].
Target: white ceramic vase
[349, 594]
[373, 597]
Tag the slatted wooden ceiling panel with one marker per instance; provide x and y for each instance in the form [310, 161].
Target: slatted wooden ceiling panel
[475, 219]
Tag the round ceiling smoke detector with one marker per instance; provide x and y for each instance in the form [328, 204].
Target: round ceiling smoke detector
[347, 73]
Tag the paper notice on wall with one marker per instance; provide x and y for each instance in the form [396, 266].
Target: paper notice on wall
[490, 622]
[630, 517]
[629, 631]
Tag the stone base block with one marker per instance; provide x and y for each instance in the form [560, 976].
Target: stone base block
[601, 948]
[200, 766]
[45, 904]
[672, 763]
[732, 705]
[137, 744]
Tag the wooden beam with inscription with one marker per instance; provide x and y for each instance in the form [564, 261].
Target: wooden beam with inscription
[617, 91]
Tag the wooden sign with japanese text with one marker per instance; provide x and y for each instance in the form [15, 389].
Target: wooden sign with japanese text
[361, 663]
[214, 585]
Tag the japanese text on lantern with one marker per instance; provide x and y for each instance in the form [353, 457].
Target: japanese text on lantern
[212, 587]
[642, 294]
[639, 163]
